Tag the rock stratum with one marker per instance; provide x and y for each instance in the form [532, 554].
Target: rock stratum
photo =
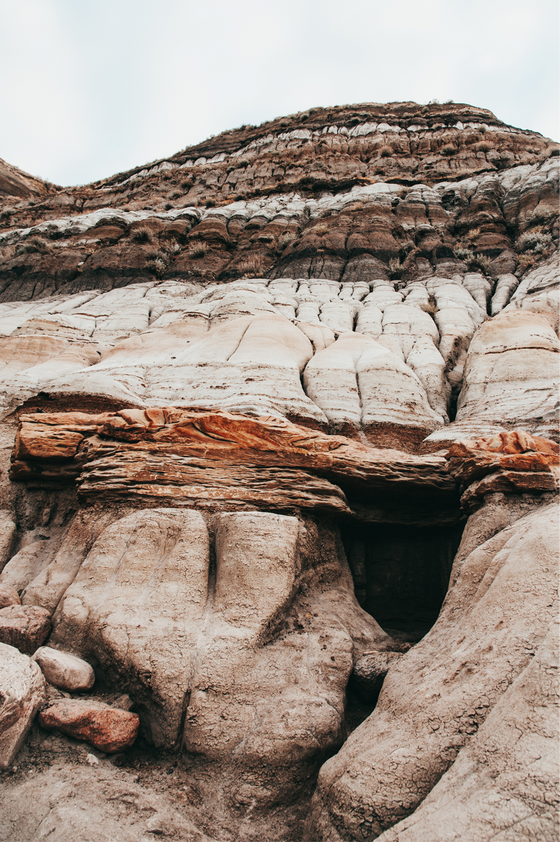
[278, 489]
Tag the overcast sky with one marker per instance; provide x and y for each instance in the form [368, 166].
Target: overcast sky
[93, 87]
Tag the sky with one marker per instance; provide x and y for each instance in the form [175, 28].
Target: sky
[94, 87]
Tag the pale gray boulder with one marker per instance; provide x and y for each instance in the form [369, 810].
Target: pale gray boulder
[64, 670]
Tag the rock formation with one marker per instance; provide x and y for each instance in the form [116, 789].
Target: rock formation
[278, 485]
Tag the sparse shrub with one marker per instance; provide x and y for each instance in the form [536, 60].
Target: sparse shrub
[252, 266]
[286, 238]
[187, 184]
[175, 195]
[160, 266]
[542, 216]
[482, 262]
[483, 146]
[34, 244]
[210, 203]
[155, 254]
[395, 269]
[473, 234]
[385, 152]
[142, 235]
[198, 249]
[534, 241]
[320, 229]
[525, 261]
[448, 149]
[464, 254]
[473, 261]
[174, 248]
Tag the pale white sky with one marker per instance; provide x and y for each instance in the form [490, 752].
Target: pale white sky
[93, 87]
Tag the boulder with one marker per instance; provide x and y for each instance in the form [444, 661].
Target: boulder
[104, 727]
[24, 626]
[22, 691]
[64, 670]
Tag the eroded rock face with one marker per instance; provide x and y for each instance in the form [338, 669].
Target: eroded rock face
[441, 692]
[22, 689]
[253, 390]
[187, 644]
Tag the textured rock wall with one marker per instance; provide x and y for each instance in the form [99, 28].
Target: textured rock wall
[266, 406]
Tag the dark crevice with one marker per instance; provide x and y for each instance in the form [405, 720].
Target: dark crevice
[401, 572]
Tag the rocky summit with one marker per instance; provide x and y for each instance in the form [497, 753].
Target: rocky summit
[278, 487]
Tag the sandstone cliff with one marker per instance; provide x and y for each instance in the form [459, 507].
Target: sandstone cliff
[280, 419]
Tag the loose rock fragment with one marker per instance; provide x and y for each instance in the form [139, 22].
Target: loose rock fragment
[64, 670]
[106, 728]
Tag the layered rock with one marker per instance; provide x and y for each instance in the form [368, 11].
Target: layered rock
[251, 395]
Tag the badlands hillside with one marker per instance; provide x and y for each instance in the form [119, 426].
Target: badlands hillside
[278, 487]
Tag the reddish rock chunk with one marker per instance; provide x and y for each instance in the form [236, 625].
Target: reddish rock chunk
[108, 729]
[511, 462]
[24, 626]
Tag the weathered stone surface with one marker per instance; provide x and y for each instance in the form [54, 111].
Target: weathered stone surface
[503, 781]
[369, 673]
[136, 604]
[219, 653]
[145, 444]
[75, 801]
[22, 690]
[48, 586]
[8, 596]
[360, 384]
[26, 564]
[384, 272]
[509, 462]
[108, 729]
[510, 451]
[64, 670]
[288, 695]
[7, 537]
[442, 691]
[24, 626]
